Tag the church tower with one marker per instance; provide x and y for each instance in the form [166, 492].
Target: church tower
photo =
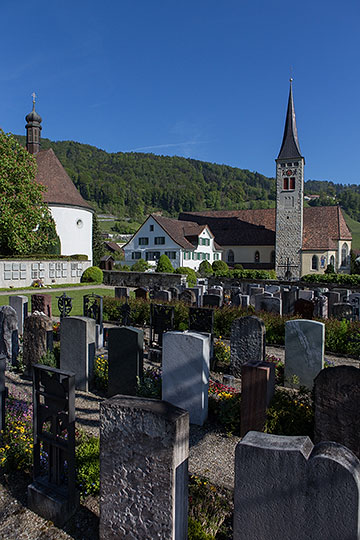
[289, 200]
[33, 130]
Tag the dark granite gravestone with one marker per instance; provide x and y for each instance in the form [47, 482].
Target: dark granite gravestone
[144, 447]
[342, 311]
[289, 297]
[286, 488]
[161, 320]
[270, 304]
[37, 328]
[125, 360]
[125, 314]
[122, 292]
[9, 338]
[337, 406]
[3, 391]
[212, 300]
[236, 300]
[162, 296]
[142, 293]
[247, 343]
[41, 303]
[304, 308]
[53, 494]
[188, 297]
[354, 300]
[201, 320]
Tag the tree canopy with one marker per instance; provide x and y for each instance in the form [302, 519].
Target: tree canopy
[26, 225]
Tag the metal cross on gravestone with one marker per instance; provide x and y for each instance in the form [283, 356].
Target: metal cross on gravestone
[64, 305]
[288, 274]
[161, 320]
[93, 307]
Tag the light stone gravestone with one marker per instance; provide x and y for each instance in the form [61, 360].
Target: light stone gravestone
[144, 447]
[20, 304]
[304, 351]
[9, 337]
[286, 488]
[333, 298]
[185, 372]
[321, 307]
[77, 350]
[125, 360]
[337, 406]
[306, 295]
[36, 342]
[247, 343]
[274, 289]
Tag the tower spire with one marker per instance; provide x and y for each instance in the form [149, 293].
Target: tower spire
[33, 129]
[290, 147]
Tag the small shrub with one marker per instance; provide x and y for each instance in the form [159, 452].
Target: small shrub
[189, 273]
[220, 268]
[140, 266]
[196, 531]
[205, 269]
[181, 316]
[164, 265]
[94, 274]
[224, 406]
[101, 374]
[150, 385]
[87, 454]
[290, 413]
[330, 269]
[49, 359]
[221, 354]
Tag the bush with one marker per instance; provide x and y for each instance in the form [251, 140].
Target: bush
[87, 454]
[330, 269]
[140, 266]
[150, 384]
[205, 269]
[101, 375]
[253, 274]
[290, 413]
[342, 279]
[49, 359]
[94, 274]
[220, 268]
[164, 265]
[189, 273]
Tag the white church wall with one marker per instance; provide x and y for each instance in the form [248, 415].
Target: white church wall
[74, 227]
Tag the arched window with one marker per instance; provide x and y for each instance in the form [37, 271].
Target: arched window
[332, 260]
[344, 254]
[257, 256]
[315, 262]
[272, 257]
[230, 256]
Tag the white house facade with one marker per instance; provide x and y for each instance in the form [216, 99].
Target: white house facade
[185, 243]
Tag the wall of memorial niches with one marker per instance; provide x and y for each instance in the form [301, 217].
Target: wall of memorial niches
[142, 279]
[22, 273]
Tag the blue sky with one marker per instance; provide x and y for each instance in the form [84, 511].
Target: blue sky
[196, 78]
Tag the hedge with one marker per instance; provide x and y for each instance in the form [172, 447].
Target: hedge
[343, 279]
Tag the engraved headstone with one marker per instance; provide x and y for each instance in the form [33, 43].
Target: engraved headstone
[269, 304]
[289, 297]
[20, 304]
[41, 303]
[125, 360]
[247, 343]
[9, 338]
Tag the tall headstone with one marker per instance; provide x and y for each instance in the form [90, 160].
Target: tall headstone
[125, 360]
[122, 292]
[9, 338]
[354, 300]
[287, 488]
[289, 297]
[321, 307]
[144, 446]
[343, 311]
[20, 304]
[333, 298]
[185, 372]
[257, 389]
[337, 406]
[41, 303]
[247, 343]
[36, 342]
[304, 351]
[77, 350]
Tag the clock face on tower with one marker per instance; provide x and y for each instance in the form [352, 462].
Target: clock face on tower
[289, 172]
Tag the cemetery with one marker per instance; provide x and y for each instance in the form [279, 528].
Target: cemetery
[182, 412]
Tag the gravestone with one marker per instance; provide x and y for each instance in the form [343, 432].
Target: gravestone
[37, 339]
[162, 296]
[141, 293]
[217, 290]
[344, 295]
[304, 308]
[289, 297]
[254, 291]
[201, 320]
[185, 372]
[245, 301]
[269, 304]
[212, 300]
[337, 406]
[174, 291]
[41, 303]
[321, 307]
[161, 320]
[342, 311]
[354, 300]
[77, 351]
[53, 494]
[274, 289]
[304, 351]
[247, 343]
[188, 297]
[64, 305]
[306, 295]
[9, 337]
[236, 300]
[144, 447]
[20, 304]
[125, 360]
[257, 390]
[122, 292]
[125, 314]
[333, 298]
[285, 488]
[3, 392]
[93, 309]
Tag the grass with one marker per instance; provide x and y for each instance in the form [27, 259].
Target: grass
[354, 227]
[76, 295]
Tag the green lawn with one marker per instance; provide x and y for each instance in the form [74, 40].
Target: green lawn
[354, 227]
[76, 295]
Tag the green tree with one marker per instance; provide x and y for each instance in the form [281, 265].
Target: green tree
[220, 268]
[26, 225]
[98, 247]
[189, 273]
[164, 265]
[205, 269]
[140, 266]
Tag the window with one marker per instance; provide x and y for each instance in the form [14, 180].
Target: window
[151, 227]
[257, 257]
[288, 183]
[152, 255]
[315, 262]
[136, 255]
[344, 254]
[159, 240]
[171, 254]
[230, 256]
[143, 241]
[292, 183]
[204, 241]
[332, 260]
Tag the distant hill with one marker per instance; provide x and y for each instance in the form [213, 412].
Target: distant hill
[130, 184]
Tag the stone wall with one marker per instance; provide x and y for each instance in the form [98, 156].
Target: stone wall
[22, 273]
[142, 279]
